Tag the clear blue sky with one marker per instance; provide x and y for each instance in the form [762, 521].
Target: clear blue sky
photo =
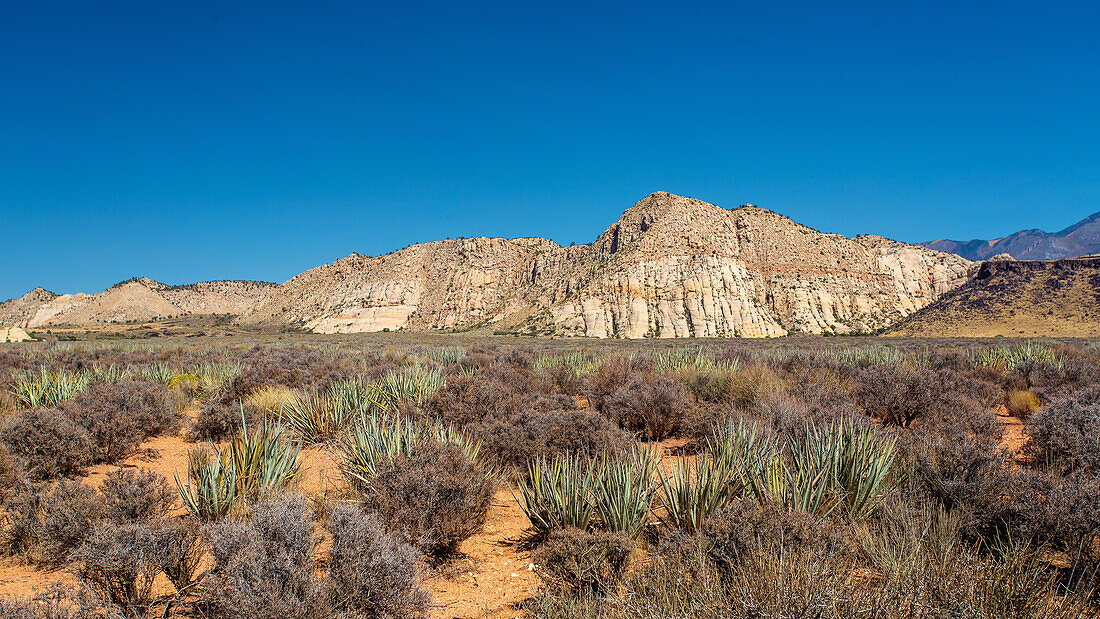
[198, 140]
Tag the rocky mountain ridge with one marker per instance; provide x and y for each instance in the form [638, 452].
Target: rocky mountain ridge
[670, 266]
[1080, 239]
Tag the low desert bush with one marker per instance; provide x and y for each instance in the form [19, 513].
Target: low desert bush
[1063, 436]
[120, 416]
[650, 404]
[533, 434]
[136, 495]
[46, 522]
[465, 400]
[12, 473]
[370, 572]
[178, 549]
[263, 566]
[583, 562]
[1021, 404]
[119, 563]
[49, 442]
[433, 496]
[745, 527]
[220, 419]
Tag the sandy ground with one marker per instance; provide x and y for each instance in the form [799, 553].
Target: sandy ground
[489, 578]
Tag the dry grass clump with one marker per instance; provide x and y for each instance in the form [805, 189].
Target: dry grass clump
[1021, 404]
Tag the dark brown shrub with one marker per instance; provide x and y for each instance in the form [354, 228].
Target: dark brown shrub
[611, 375]
[531, 434]
[1064, 434]
[131, 495]
[745, 528]
[49, 442]
[12, 472]
[583, 562]
[219, 420]
[467, 400]
[971, 478]
[120, 416]
[434, 498]
[650, 404]
[370, 572]
[178, 550]
[899, 395]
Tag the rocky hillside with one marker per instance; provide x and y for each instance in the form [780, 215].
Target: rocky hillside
[669, 267]
[137, 299]
[1054, 298]
[1080, 239]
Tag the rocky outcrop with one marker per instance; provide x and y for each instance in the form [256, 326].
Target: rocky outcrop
[669, 267]
[138, 299]
[1051, 298]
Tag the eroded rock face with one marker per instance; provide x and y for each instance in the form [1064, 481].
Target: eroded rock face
[670, 267]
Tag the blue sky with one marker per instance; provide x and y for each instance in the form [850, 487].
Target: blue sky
[200, 140]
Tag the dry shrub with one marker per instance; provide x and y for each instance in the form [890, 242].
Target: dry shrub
[12, 473]
[119, 563]
[1021, 404]
[120, 416]
[650, 404]
[751, 382]
[1064, 434]
[47, 522]
[370, 573]
[178, 550]
[583, 562]
[302, 368]
[611, 374]
[744, 528]
[470, 399]
[433, 497]
[49, 442]
[899, 395]
[220, 419]
[533, 434]
[263, 566]
[130, 495]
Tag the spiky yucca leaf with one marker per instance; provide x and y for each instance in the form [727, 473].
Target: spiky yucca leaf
[555, 493]
[47, 388]
[211, 488]
[414, 384]
[692, 491]
[623, 488]
[863, 469]
[264, 460]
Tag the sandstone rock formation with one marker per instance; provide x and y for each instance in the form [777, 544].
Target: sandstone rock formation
[137, 299]
[669, 267]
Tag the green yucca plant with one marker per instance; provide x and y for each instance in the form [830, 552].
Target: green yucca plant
[444, 355]
[694, 490]
[802, 478]
[159, 372]
[109, 373]
[48, 389]
[265, 461]
[623, 488]
[413, 383]
[863, 468]
[375, 439]
[315, 418]
[213, 377]
[556, 493]
[211, 488]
